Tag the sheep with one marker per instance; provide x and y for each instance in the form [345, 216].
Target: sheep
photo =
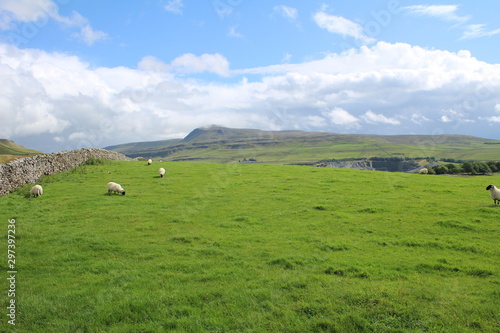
[115, 188]
[494, 194]
[162, 172]
[424, 171]
[150, 161]
[36, 190]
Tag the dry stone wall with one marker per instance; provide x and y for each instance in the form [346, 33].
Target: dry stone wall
[29, 170]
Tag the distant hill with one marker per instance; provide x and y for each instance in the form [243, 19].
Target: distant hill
[223, 145]
[142, 148]
[9, 150]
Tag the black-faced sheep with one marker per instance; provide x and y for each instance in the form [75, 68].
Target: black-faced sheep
[36, 190]
[161, 171]
[494, 194]
[115, 188]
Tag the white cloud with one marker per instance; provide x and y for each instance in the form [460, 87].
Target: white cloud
[233, 33]
[385, 89]
[289, 13]
[339, 116]
[286, 58]
[494, 119]
[449, 13]
[316, 121]
[12, 11]
[419, 119]
[342, 26]
[174, 6]
[39, 12]
[89, 36]
[190, 63]
[443, 12]
[222, 9]
[152, 64]
[374, 118]
[446, 119]
[77, 136]
[477, 31]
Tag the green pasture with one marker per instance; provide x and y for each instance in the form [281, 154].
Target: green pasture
[288, 152]
[253, 248]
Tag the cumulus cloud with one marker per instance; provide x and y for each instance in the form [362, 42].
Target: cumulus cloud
[39, 12]
[190, 63]
[339, 116]
[89, 36]
[12, 11]
[342, 26]
[153, 64]
[374, 118]
[382, 89]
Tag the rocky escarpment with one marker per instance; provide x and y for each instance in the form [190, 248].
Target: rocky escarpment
[29, 170]
[392, 165]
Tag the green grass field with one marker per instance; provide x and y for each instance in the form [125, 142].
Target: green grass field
[253, 248]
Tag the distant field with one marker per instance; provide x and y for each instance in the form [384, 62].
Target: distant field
[7, 158]
[300, 152]
[223, 145]
[297, 151]
[253, 248]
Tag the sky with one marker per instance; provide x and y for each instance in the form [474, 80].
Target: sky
[77, 73]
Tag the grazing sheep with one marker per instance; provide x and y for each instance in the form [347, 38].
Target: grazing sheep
[162, 172]
[150, 161]
[36, 190]
[494, 194]
[424, 171]
[115, 188]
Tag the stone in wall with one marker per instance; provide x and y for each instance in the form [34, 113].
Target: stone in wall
[29, 170]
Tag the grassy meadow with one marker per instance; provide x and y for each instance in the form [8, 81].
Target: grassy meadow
[253, 248]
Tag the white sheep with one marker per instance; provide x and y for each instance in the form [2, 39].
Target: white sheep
[494, 194]
[36, 190]
[150, 161]
[161, 172]
[115, 188]
[424, 171]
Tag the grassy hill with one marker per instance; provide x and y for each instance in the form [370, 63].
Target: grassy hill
[253, 248]
[10, 150]
[223, 145]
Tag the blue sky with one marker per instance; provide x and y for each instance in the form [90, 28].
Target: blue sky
[88, 73]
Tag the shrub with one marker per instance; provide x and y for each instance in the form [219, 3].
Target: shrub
[440, 169]
[453, 168]
[493, 166]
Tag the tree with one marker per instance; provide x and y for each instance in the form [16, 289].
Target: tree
[482, 168]
[468, 167]
[493, 166]
[453, 168]
[440, 169]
